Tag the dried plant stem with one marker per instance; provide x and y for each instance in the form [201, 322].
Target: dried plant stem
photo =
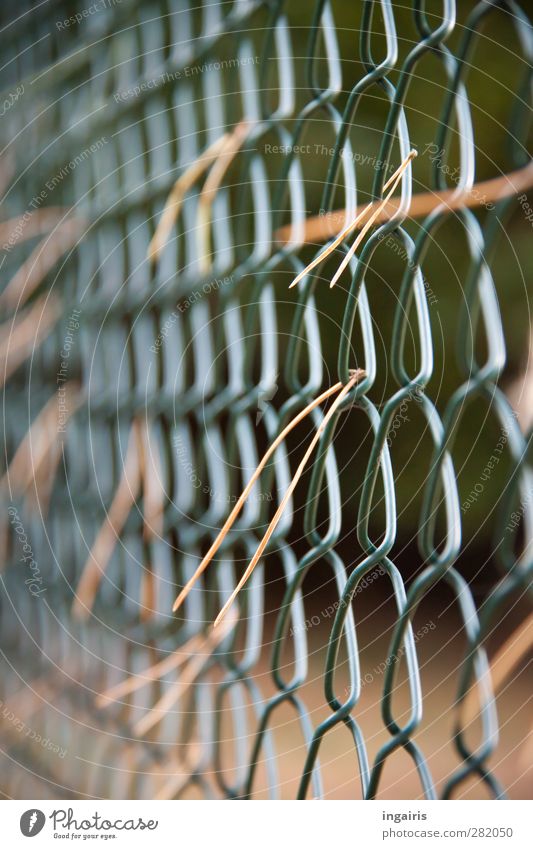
[41, 260]
[226, 155]
[36, 458]
[141, 468]
[193, 669]
[368, 224]
[125, 496]
[153, 511]
[20, 336]
[38, 222]
[135, 682]
[362, 213]
[153, 490]
[175, 199]
[320, 228]
[356, 376]
[239, 504]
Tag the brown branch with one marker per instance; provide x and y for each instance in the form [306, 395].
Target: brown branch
[320, 228]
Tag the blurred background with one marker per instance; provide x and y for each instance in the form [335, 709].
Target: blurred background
[166, 380]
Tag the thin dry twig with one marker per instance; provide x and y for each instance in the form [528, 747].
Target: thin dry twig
[135, 682]
[21, 335]
[180, 771]
[36, 458]
[102, 549]
[356, 376]
[320, 228]
[41, 260]
[248, 488]
[38, 222]
[142, 468]
[175, 199]
[153, 512]
[226, 155]
[193, 670]
[362, 213]
[368, 224]
[373, 209]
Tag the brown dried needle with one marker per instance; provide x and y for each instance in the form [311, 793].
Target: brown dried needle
[360, 217]
[239, 504]
[175, 199]
[356, 376]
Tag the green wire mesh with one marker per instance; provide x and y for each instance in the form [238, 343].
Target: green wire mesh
[116, 104]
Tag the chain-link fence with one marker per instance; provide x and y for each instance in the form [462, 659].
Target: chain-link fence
[141, 392]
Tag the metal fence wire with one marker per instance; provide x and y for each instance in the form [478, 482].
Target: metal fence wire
[140, 394]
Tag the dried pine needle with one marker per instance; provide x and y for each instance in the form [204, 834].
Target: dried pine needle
[36, 457]
[102, 549]
[360, 217]
[356, 376]
[41, 260]
[141, 468]
[226, 155]
[193, 669]
[132, 683]
[20, 336]
[175, 199]
[239, 504]
[368, 224]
